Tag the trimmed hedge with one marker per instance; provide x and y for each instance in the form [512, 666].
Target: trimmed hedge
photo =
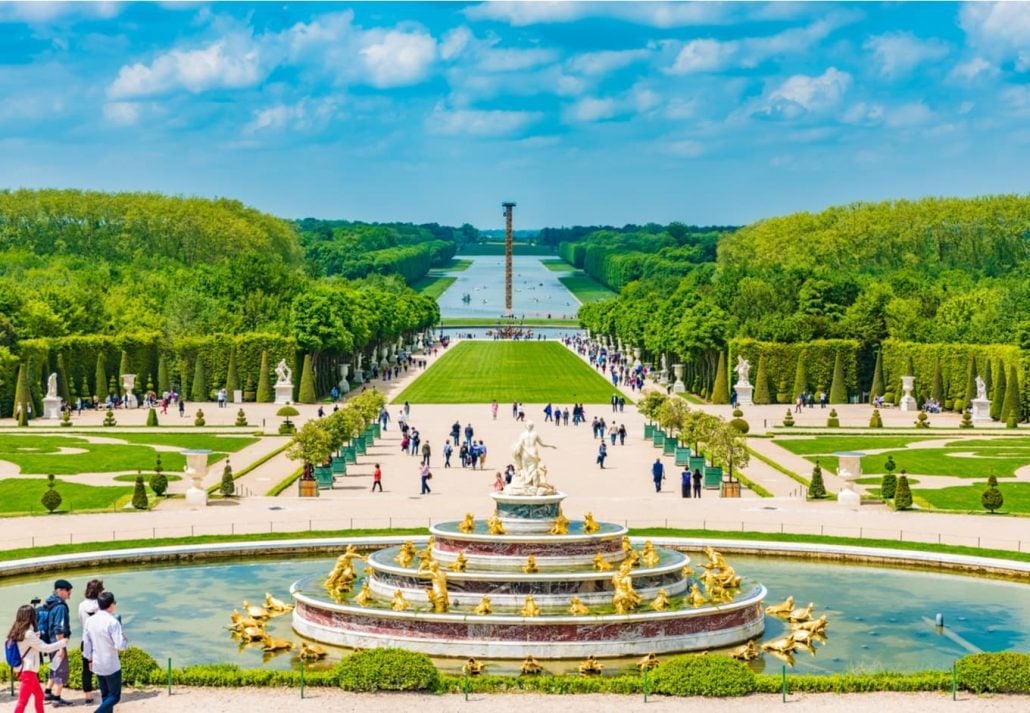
[387, 670]
[1002, 672]
[704, 675]
[818, 358]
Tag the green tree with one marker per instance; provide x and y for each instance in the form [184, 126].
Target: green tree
[970, 394]
[816, 488]
[938, 382]
[800, 376]
[992, 499]
[877, 388]
[762, 395]
[100, 378]
[1000, 387]
[159, 481]
[838, 393]
[109, 419]
[152, 416]
[200, 390]
[1012, 409]
[788, 420]
[228, 486]
[21, 395]
[198, 420]
[139, 494]
[232, 379]
[264, 387]
[163, 383]
[51, 498]
[62, 379]
[988, 378]
[876, 421]
[184, 369]
[123, 364]
[312, 444]
[888, 486]
[903, 494]
[307, 382]
[967, 419]
[721, 389]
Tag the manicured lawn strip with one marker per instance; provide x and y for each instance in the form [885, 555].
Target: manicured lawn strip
[21, 496]
[966, 498]
[531, 372]
[227, 443]
[131, 478]
[786, 471]
[833, 444]
[518, 249]
[585, 288]
[493, 322]
[285, 482]
[237, 474]
[558, 265]
[454, 265]
[936, 461]
[434, 285]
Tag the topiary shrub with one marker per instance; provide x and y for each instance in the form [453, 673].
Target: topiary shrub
[707, 675]
[888, 486]
[138, 667]
[1000, 672]
[152, 416]
[888, 397]
[833, 421]
[922, 421]
[109, 418]
[199, 419]
[1011, 421]
[287, 428]
[992, 499]
[903, 493]
[139, 495]
[817, 489]
[387, 670]
[967, 420]
[241, 418]
[876, 421]
[788, 420]
[66, 417]
[51, 498]
[738, 422]
[159, 484]
[228, 486]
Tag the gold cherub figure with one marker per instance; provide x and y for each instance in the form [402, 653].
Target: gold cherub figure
[561, 524]
[625, 598]
[530, 566]
[695, 598]
[459, 564]
[530, 608]
[650, 557]
[343, 574]
[494, 526]
[399, 603]
[437, 595]
[483, 608]
[601, 564]
[577, 607]
[747, 652]
[468, 524]
[425, 560]
[627, 546]
[364, 597]
[661, 602]
[406, 555]
[590, 524]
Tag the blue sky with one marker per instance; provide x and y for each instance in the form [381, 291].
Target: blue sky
[583, 113]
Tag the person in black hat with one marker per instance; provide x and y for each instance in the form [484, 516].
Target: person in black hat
[58, 627]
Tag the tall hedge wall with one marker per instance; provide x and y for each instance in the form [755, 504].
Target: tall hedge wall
[572, 253]
[954, 359]
[781, 361]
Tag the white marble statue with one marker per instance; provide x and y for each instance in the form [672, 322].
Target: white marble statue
[51, 385]
[981, 388]
[283, 373]
[743, 368]
[530, 476]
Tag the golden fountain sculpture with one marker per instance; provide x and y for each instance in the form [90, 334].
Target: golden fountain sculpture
[590, 525]
[438, 593]
[561, 524]
[530, 566]
[255, 611]
[494, 526]
[407, 554]
[695, 598]
[399, 603]
[275, 606]
[483, 608]
[815, 626]
[625, 598]
[661, 602]
[577, 607]
[473, 667]
[785, 607]
[590, 667]
[530, 608]
[648, 662]
[650, 557]
[364, 597]
[270, 644]
[311, 652]
[801, 614]
[601, 564]
[468, 524]
[530, 666]
[343, 574]
[459, 564]
[747, 652]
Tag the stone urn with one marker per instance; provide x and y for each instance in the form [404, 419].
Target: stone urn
[678, 386]
[196, 471]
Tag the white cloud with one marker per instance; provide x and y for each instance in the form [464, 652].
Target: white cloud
[1017, 101]
[1000, 30]
[605, 62]
[652, 14]
[644, 99]
[863, 113]
[232, 62]
[395, 58]
[970, 70]
[704, 56]
[802, 94]
[122, 113]
[590, 109]
[898, 53]
[302, 116]
[911, 114]
[514, 60]
[472, 122]
[455, 42]
[44, 13]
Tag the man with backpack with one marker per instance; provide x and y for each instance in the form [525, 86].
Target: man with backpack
[54, 623]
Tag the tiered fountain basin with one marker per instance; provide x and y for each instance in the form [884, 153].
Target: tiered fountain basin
[495, 567]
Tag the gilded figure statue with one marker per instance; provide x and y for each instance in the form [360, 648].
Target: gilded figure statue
[661, 602]
[816, 626]
[648, 662]
[494, 526]
[785, 607]
[530, 666]
[590, 525]
[406, 555]
[468, 524]
[483, 608]
[425, 560]
[438, 593]
[255, 611]
[627, 546]
[561, 524]
[459, 564]
[695, 598]
[801, 614]
[625, 598]
[590, 667]
[239, 622]
[577, 607]
[270, 644]
[747, 652]
[343, 574]
[530, 608]
[473, 667]
[530, 566]
[364, 597]
[311, 652]
[601, 564]
[275, 606]
[398, 602]
[783, 645]
[650, 557]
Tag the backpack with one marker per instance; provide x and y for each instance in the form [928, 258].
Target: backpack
[45, 621]
[13, 654]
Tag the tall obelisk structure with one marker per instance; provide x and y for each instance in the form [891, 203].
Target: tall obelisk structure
[507, 258]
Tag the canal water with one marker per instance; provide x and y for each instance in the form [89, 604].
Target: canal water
[536, 291]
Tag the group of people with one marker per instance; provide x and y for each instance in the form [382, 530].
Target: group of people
[807, 398]
[47, 630]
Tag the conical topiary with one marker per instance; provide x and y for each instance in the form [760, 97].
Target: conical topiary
[241, 418]
[306, 394]
[782, 394]
[817, 489]
[988, 377]
[264, 386]
[970, 380]
[84, 391]
[159, 481]
[66, 417]
[228, 486]
[109, 418]
[762, 395]
[938, 383]
[198, 420]
[992, 499]
[63, 383]
[838, 392]
[232, 379]
[967, 419]
[833, 421]
[100, 377]
[152, 416]
[877, 388]
[738, 421]
[21, 395]
[51, 499]
[139, 494]
[889, 483]
[200, 390]
[1012, 409]
[800, 377]
[922, 421]
[998, 395]
[903, 494]
[112, 386]
[721, 388]
[163, 383]
[788, 420]
[876, 421]
[183, 380]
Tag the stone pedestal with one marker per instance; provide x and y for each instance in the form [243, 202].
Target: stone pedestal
[907, 402]
[744, 394]
[981, 409]
[52, 407]
[237, 396]
[284, 393]
[678, 387]
[849, 469]
[636, 357]
[196, 470]
[527, 513]
[359, 375]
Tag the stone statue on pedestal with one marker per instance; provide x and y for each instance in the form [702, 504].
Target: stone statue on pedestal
[283, 373]
[51, 385]
[743, 368]
[530, 476]
[981, 388]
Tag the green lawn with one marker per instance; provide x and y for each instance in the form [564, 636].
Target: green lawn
[22, 496]
[835, 444]
[498, 249]
[558, 265]
[227, 443]
[433, 285]
[585, 288]
[966, 498]
[455, 265]
[532, 372]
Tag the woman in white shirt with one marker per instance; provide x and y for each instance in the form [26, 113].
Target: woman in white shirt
[87, 608]
[30, 647]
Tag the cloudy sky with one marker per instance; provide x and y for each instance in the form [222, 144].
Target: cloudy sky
[583, 113]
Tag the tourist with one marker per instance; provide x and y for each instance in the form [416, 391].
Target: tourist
[58, 627]
[377, 479]
[657, 474]
[426, 450]
[565, 416]
[493, 409]
[482, 455]
[87, 608]
[30, 646]
[182, 407]
[473, 454]
[622, 434]
[407, 410]
[685, 483]
[469, 432]
[499, 482]
[697, 482]
[456, 431]
[515, 409]
[384, 418]
[799, 402]
[522, 413]
[425, 475]
[602, 454]
[447, 450]
[547, 413]
[613, 433]
[463, 455]
[102, 641]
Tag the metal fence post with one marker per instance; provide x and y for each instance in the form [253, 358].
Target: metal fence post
[783, 689]
[302, 667]
[169, 675]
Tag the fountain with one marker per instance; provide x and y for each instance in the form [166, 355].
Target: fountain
[526, 581]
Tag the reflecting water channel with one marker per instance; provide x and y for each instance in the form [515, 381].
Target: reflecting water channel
[879, 618]
[536, 291]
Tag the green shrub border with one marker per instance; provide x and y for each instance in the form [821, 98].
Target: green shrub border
[256, 464]
[285, 482]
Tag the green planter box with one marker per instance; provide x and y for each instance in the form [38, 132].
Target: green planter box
[658, 438]
[324, 477]
[697, 463]
[377, 430]
[339, 466]
[648, 430]
[713, 476]
[349, 454]
[369, 435]
[682, 456]
[359, 445]
[669, 447]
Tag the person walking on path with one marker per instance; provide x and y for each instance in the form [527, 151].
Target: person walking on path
[447, 450]
[377, 479]
[482, 455]
[622, 434]
[499, 482]
[685, 483]
[30, 646]
[469, 432]
[87, 608]
[493, 409]
[657, 474]
[102, 641]
[182, 407]
[697, 482]
[426, 450]
[425, 475]
[384, 418]
[58, 627]
[602, 454]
